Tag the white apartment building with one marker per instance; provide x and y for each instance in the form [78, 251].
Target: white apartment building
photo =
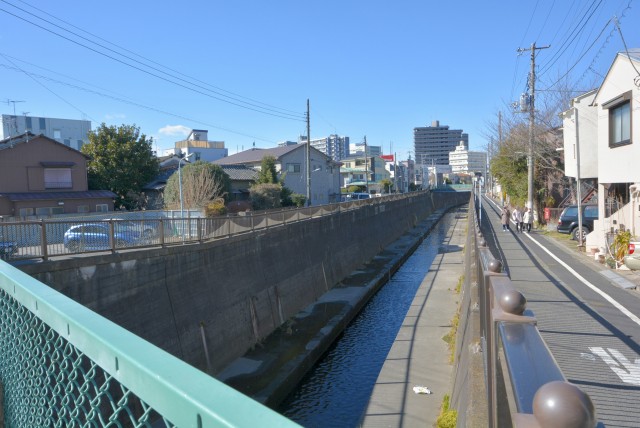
[464, 161]
[334, 146]
[70, 132]
[198, 144]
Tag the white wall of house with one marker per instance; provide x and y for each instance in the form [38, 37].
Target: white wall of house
[618, 164]
[587, 139]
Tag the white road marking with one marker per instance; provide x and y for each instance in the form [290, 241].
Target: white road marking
[604, 295]
[626, 370]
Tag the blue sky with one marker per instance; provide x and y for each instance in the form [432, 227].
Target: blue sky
[374, 68]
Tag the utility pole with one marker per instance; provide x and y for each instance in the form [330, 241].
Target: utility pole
[308, 153]
[580, 243]
[532, 118]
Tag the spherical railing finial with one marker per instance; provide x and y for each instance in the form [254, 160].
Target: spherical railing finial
[495, 266]
[561, 404]
[513, 302]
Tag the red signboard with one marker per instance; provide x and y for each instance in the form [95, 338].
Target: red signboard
[388, 158]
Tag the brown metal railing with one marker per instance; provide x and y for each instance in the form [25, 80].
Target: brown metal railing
[42, 239]
[525, 387]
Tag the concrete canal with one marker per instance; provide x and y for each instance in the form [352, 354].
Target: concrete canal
[336, 391]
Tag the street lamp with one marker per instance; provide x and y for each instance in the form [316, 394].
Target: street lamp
[180, 182]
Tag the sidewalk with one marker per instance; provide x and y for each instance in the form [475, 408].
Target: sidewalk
[419, 355]
[594, 343]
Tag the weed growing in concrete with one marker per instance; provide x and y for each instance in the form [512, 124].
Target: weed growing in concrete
[448, 418]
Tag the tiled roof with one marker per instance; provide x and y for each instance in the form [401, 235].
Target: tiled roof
[89, 194]
[240, 172]
[10, 142]
[256, 155]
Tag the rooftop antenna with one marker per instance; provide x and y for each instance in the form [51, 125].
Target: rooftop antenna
[15, 121]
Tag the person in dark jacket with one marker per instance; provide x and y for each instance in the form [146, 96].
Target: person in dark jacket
[504, 218]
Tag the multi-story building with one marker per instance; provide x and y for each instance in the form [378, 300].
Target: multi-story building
[334, 146]
[357, 149]
[70, 132]
[432, 144]
[464, 161]
[198, 144]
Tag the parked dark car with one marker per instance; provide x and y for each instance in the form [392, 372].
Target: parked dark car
[568, 221]
[95, 236]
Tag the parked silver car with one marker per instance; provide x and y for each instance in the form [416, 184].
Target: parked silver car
[96, 236]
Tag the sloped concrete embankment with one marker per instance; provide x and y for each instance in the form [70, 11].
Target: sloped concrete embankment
[222, 298]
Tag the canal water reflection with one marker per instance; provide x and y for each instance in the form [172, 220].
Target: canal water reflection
[336, 391]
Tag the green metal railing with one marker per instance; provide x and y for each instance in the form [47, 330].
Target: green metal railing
[62, 365]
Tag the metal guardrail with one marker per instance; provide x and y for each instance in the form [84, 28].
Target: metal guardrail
[49, 238]
[525, 386]
[62, 365]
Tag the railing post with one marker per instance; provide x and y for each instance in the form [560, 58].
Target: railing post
[43, 239]
[112, 237]
[199, 225]
[161, 232]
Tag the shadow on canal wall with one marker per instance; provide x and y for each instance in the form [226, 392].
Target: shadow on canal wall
[210, 303]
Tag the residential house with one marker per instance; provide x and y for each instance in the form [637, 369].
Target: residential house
[241, 177]
[361, 170]
[616, 145]
[154, 191]
[42, 177]
[324, 185]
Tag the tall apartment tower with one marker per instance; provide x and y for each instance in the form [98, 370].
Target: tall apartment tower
[334, 146]
[432, 144]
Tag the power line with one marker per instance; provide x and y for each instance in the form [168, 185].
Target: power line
[35, 76]
[49, 90]
[154, 62]
[568, 42]
[231, 100]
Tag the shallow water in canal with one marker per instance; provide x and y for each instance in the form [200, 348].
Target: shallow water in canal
[336, 391]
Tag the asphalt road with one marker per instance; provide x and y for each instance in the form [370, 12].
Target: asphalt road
[589, 322]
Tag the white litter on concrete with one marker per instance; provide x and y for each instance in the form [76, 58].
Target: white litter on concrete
[421, 390]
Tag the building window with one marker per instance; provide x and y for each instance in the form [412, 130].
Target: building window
[57, 178]
[57, 134]
[83, 208]
[293, 167]
[42, 123]
[102, 208]
[67, 142]
[25, 212]
[619, 120]
[27, 123]
[49, 211]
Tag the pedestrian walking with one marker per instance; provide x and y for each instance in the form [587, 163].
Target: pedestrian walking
[528, 219]
[516, 216]
[504, 218]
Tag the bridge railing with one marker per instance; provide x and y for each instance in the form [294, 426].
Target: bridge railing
[62, 365]
[525, 386]
[49, 238]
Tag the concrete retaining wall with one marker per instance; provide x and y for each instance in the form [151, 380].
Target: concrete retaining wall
[230, 294]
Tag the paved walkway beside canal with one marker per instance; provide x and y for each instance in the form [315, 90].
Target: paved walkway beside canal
[419, 355]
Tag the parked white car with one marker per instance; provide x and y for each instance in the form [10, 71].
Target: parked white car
[632, 259]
